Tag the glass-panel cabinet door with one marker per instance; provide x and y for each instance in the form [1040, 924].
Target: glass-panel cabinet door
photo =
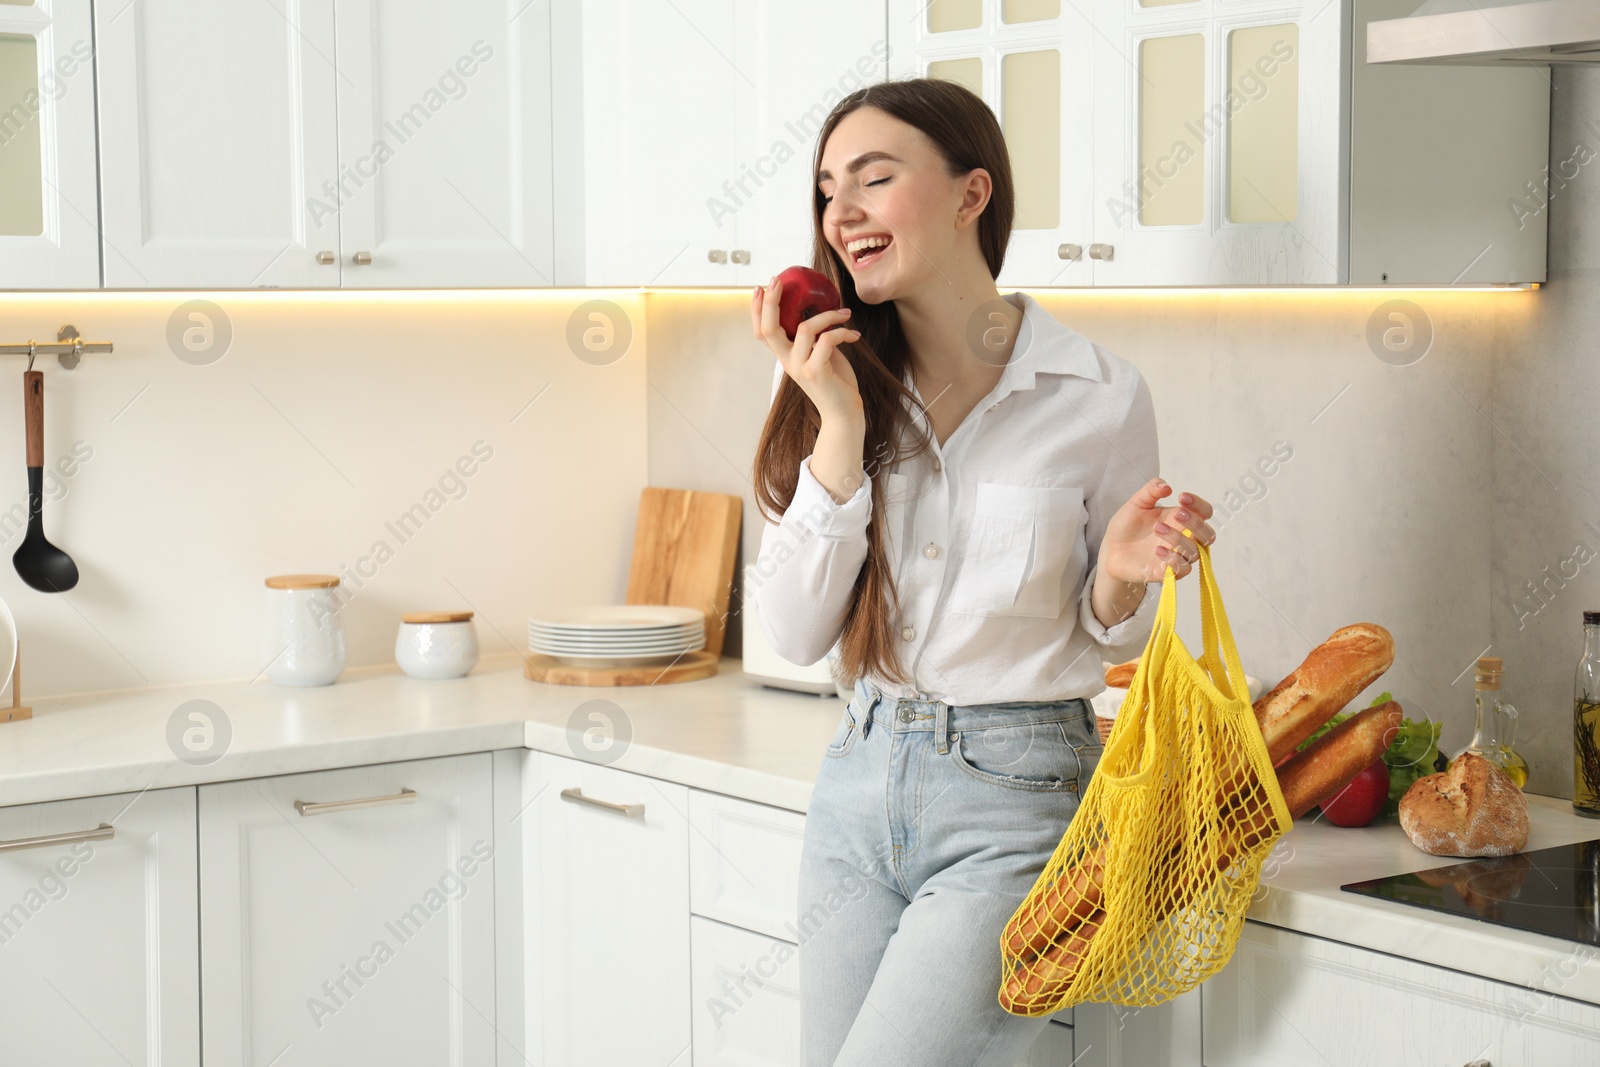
[48, 200]
[1213, 165]
[1031, 62]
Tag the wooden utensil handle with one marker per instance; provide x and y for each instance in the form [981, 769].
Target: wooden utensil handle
[33, 404]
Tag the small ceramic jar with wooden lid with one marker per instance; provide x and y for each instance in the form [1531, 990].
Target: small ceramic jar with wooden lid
[304, 638]
[436, 644]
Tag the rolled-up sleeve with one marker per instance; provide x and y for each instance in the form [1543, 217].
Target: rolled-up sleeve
[1134, 460]
[805, 575]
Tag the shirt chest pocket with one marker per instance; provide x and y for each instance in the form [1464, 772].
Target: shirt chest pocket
[1026, 553]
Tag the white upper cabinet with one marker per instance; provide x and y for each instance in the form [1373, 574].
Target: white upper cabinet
[1219, 155]
[699, 123]
[1241, 142]
[521, 143]
[1032, 62]
[325, 144]
[216, 131]
[99, 949]
[656, 141]
[48, 205]
[348, 916]
[444, 145]
[802, 60]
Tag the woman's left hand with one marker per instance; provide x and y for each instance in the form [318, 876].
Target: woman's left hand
[1144, 538]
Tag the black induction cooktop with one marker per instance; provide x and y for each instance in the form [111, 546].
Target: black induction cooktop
[1553, 891]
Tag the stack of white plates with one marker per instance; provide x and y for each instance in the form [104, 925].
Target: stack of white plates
[618, 635]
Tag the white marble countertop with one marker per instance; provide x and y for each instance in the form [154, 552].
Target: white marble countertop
[725, 734]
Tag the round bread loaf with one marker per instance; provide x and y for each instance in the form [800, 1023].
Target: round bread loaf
[1471, 809]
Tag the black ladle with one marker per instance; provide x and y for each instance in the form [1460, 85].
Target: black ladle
[41, 564]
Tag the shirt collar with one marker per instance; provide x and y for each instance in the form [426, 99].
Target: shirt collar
[1046, 346]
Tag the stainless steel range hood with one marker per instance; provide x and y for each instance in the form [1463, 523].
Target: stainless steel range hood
[1491, 33]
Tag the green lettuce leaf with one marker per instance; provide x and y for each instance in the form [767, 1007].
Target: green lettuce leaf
[1409, 756]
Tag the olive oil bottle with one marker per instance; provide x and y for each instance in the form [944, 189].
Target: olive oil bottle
[1496, 728]
[1586, 722]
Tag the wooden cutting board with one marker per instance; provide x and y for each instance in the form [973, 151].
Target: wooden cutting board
[683, 549]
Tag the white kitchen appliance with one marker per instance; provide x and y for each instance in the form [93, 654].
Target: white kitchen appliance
[763, 665]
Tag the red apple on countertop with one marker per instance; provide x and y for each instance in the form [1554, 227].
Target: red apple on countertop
[1358, 803]
[805, 293]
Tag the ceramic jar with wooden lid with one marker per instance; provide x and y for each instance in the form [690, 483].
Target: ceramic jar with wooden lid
[436, 644]
[304, 638]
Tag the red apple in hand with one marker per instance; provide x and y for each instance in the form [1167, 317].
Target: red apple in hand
[805, 293]
[1359, 802]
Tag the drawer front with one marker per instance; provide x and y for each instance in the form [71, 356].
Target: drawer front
[744, 863]
[1289, 1000]
[746, 990]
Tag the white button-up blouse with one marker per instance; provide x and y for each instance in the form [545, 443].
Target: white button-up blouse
[993, 537]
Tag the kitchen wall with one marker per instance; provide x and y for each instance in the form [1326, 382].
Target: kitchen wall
[299, 448]
[1545, 454]
[1382, 513]
[1422, 493]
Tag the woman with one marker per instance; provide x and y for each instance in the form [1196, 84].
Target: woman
[970, 515]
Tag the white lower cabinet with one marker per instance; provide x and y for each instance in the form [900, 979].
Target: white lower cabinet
[1288, 1000]
[99, 962]
[606, 872]
[347, 916]
[1053, 1048]
[1165, 1035]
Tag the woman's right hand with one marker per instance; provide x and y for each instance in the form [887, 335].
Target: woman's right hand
[813, 358]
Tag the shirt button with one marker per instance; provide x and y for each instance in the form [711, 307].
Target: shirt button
[908, 633]
[938, 465]
[931, 550]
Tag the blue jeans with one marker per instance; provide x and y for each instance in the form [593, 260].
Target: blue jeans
[929, 824]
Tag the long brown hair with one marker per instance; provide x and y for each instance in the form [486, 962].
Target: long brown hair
[965, 132]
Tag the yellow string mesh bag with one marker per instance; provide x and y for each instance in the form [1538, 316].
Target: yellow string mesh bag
[1145, 896]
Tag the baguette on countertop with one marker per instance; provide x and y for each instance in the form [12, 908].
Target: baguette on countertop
[1327, 766]
[1328, 679]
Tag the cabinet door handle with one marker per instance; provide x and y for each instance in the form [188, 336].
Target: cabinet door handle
[323, 807]
[325, 258]
[717, 255]
[741, 256]
[103, 832]
[576, 794]
[1102, 251]
[361, 258]
[1069, 251]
